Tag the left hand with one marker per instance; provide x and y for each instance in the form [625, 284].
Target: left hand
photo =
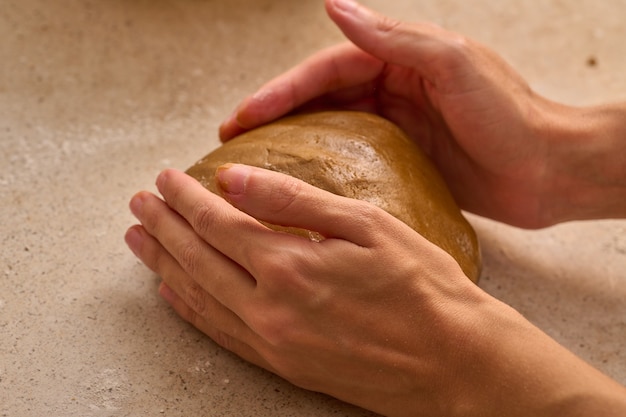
[374, 314]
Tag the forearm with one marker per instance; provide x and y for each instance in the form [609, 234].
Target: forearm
[586, 150]
[520, 371]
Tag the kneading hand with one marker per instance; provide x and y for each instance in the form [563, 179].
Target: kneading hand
[505, 152]
[470, 111]
[374, 314]
[370, 313]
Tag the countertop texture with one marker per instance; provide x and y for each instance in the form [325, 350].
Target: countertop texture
[96, 97]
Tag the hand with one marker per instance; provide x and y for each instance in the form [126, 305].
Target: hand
[374, 314]
[471, 112]
[325, 315]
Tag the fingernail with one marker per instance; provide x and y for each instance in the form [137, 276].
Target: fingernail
[232, 178]
[345, 5]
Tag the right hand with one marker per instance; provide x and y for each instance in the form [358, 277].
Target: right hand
[472, 113]
[374, 314]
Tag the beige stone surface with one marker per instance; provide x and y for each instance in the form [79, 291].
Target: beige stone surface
[96, 97]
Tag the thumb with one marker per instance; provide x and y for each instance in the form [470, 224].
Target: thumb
[283, 200]
[424, 47]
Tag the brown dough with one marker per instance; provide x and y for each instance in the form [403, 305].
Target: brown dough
[356, 155]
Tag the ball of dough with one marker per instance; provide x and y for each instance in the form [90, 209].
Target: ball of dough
[356, 155]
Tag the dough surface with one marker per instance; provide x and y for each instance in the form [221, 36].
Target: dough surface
[356, 155]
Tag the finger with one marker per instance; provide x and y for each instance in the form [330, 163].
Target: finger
[148, 250]
[216, 326]
[426, 47]
[286, 201]
[201, 306]
[336, 68]
[211, 270]
[228, 230]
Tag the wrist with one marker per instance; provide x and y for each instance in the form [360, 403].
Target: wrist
[586, 157]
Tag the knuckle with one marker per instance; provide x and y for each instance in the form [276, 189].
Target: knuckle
[387, 24]
[202, 218]
[457, 50]
[459, 45]
[372, 218]
[196, 299]
[189, 256]
[284, 193]
[272, 266]
[368, 214]
[283, 271]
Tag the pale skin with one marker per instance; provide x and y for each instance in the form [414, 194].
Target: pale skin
[374, 314]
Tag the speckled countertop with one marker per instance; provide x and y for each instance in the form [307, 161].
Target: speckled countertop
[96, 97]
